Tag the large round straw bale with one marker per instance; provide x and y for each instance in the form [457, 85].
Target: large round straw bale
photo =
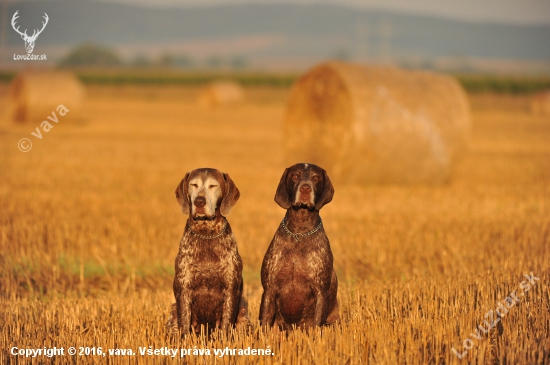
[540, 103]
[376, 124]
[221, 93]
[34, 95]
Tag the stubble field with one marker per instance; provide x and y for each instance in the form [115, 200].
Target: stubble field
[89, 230]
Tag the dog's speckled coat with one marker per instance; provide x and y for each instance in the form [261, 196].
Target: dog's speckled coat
[299, 281]
[208, 283]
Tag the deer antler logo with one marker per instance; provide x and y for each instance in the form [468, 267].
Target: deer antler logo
[29, 41]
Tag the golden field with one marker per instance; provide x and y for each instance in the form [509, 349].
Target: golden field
[89, 230]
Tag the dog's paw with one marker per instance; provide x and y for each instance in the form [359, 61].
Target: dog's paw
[171, 325]
[243, 321]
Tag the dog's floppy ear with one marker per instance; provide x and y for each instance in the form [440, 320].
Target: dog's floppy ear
[230, 195]
[181, 195]
[282, 197]
[327, 194]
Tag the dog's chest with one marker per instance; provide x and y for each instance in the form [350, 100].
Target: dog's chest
[305, 260]
[206, 263]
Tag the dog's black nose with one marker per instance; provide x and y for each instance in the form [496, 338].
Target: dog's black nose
[305, 189]
[200, 202]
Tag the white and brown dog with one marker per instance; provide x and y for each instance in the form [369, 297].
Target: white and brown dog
[208, 283]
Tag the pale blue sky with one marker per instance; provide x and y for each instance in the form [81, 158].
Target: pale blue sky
[508, 11]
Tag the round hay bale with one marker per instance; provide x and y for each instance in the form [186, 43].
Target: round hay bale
[540, 103]
[376, 124]
[221, 93]
[34, 95]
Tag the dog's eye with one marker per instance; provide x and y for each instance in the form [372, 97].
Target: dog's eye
[294, 177]
[315, 178]
[194, 185]
[213, 186]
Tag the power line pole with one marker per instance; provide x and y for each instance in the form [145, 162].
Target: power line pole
[361, 42]
[385, 34]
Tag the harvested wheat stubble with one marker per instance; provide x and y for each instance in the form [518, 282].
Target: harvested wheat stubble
[34, 95]
[221, 93]
[540, 103]
[375, 124]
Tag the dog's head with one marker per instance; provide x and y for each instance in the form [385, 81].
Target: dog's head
[203, 193]
[304, 185]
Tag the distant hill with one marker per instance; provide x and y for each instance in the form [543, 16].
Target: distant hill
[280, 31]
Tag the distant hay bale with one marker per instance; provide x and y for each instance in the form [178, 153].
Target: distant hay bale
[540, 103]
[221, 93]
[375, 124]
[34, 95]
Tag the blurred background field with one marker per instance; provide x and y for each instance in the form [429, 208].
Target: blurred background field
[91, 192]
[473, 83]
[89, 221]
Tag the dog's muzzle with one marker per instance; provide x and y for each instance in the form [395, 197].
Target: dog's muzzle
[200, 211]
[304, 195]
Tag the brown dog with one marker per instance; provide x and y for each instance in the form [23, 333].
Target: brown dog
[208, 283]
[298, 277]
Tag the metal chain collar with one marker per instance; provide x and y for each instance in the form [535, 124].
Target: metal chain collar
[209, 237]
[299, 236]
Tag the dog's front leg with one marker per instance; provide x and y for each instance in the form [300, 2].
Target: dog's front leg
[183, 305]
[267, 309]
[321, 307]
[230, 307]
